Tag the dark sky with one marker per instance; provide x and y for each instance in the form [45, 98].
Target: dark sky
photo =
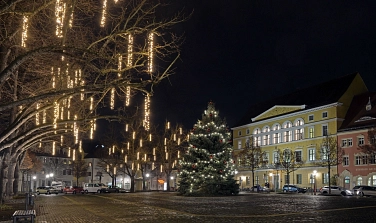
[237, 53]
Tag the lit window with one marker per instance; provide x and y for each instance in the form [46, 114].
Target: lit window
[311, 154]
[324, 153]
[287, 136]
[298, 134]
[364, 159]
[311, 132]
[359, 181]
[276, 138]
[325, 178]
[276, 157]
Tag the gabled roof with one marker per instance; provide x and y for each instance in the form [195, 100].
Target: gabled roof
[357, 116]
[318, 95]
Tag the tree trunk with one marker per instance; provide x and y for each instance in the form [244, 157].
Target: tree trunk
[132, 184]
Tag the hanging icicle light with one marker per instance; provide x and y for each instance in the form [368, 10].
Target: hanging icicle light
[140, 142]
[181, 131]
[150, 137]
[145, 157]
[152, 166]
[37, 115]
[53, 148]
[166, 156]
[91, 103]
[69, 152]
[120, 59]
[138, 155]
[80, 146]
[44, 116]
[147, 113]
[126, 127]
[150, 52]
[25, 24]
[109, 151]
[91, 129]
[178, 154]
[113, 148]
[112, 102]
[153, 151]
[174, 137]
[128, 146]
[165, 141]
[61, 140]
[104, 12]
[134, 135]
[74, 155]
[125, 159]
[53, 78]
[75, 129]
[168, 125]
[56, 114]
[60, 15]
[178, 141]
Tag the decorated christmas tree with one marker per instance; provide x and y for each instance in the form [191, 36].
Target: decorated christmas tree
[207, 167]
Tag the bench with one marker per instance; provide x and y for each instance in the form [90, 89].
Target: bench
[24, 214]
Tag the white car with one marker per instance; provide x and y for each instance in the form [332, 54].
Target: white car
[335, 190]
[367, 191]
[93, 187]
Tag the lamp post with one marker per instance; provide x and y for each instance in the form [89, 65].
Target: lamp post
[34, 178]
[314, 182]
[92, 170]
[147, 180]
[172, 178]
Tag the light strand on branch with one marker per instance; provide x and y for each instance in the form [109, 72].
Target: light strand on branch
[25, 25]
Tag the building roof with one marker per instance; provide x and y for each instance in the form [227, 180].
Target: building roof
[314, 96]
[358, 117]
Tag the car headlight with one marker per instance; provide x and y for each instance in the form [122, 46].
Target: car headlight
[348, 191]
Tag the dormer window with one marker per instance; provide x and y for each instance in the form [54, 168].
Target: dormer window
[369, 105]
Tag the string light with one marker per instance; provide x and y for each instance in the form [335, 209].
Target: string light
[147, 113]
[140, 142]
[37, 115]
[112, 102]
[80, 146]
[91, 129]
[53, 148]
[53, 78]
[91, 103]
[56, 114]
[126, 127]
[125, 159]
[25, 25]
[75, 129]
[60, 16]
[153, 151]
[61, 140]
[44, 116]
[138, 155]
[74, 155]
[119, 65]
[104, 9]
[69, 152]
[150, 52]
[150, 137]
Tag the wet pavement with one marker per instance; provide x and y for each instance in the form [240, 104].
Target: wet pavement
[168, 207]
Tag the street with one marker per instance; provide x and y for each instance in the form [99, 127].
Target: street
[168, 207]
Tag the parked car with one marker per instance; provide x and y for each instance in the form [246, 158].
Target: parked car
[93, 187]
[335, 190]
[73, 190]
[367, 191]
[293, 188]
[258, 188]
[113, 189]
[47, 190]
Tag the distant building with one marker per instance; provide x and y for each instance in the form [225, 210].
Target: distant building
[298, 122]
[357, 167]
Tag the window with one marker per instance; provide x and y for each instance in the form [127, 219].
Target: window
[344, 142]
[324, 153]
[299, 179]
[324, 114]
[239, 133]
[372, 159]
[347, 180]
[310, 118]
[364, 159]
[349, 142]
[359, 181]
[311, 179]
[287, 136]
[311, 154]
[247, 181]
[287, 179]
[311, 132]
[69, 172]
[257, 180]
[357, 160]
[266, 140]
[325, 178]
[239, 144]
[298, 134]
[257, 141]
[247, 131]
[266, 158]
[345, 161]
[275, 157]
[287, 155]
[360, 140]
[325, 130]
[276, 138]
[298, 156]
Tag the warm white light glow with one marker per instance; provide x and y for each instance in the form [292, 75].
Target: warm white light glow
[127, 96]
[120, 59]
[60, 15]
[134, 135]
[128, 146]
[53, 148]
[37, 115]
[181, 131]
[61, 140]
[109, 151]
[75, 129]
[147, 112]
[44, 116]
[126, 127]
[91, 103]
[152, 165]
[74, 155]
[150, 52]
[25, 24]
[165, 141]
[178, 154]
[168, 125]
[91, 129]
[56, 114]
[178, 141]
[80, 146]
[113, 148]
[161, 168]
[174, 137]
[153, 151]
[104, 12]
[69, 152]
[145, 157]
[140, 142]
[130, 50]
[138, 155]
[125, 159]
[150, 137]
[112, 102]
[53, 78]
[166, 156]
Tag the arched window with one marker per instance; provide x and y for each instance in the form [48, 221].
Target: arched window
[287, 135]
[276, 135]
[266, 138]
[359, 181]
[256, 137]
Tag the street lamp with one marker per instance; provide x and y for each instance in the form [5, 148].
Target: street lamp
[147, 180]
[314, 182]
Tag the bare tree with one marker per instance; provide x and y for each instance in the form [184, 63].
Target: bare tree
[288, 162]
[79, 168]
[251, 157]
[57, 66]
[331, 155]
[370, 147]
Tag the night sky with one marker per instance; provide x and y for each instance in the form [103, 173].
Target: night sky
[237, 53]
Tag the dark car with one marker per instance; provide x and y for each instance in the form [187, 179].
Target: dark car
[113, 189]
[293, 188]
